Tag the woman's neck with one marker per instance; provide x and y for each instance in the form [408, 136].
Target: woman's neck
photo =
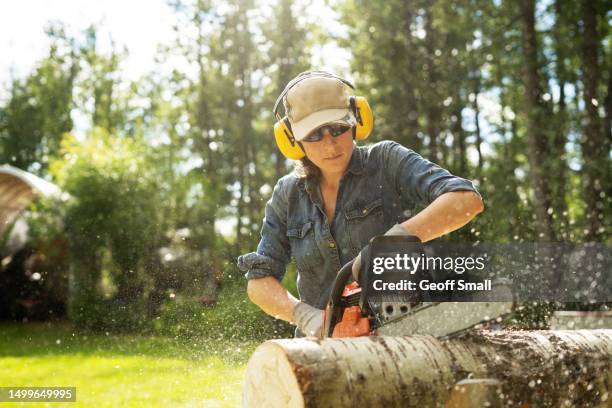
[330, 180]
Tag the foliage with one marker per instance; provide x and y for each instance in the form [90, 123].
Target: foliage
[38, 111]
[233, 317]
[113, 205]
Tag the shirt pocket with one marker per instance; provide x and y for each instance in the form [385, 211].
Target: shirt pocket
[365, 220]
[304, 249]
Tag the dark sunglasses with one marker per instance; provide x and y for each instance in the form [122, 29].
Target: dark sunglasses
[334, 130]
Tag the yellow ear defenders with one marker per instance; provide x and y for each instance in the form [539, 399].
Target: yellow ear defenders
[291, 148]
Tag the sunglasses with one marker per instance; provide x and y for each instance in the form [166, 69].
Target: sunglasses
[334, 130]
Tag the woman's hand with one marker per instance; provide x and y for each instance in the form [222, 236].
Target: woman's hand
[309, 319]
[397, 229]
[272, 297]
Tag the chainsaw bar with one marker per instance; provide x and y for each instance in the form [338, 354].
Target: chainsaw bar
[450, 319]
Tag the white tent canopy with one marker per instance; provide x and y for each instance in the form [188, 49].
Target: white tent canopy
[17, 190]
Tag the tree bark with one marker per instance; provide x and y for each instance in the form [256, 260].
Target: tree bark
[538, 368]
[608, 108]
[403, 118]
[460, 159]
[558, 151]
[536, 131]
[478, 143]
[433, 100]
[593, 141]
[240, 207]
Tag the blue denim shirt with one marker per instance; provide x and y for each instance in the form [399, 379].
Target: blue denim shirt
[384, 184]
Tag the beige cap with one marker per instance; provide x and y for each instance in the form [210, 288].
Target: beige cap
[316, 101]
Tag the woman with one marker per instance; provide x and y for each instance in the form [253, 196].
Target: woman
[339, 197]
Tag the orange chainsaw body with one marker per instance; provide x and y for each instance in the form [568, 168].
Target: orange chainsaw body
[352, 324]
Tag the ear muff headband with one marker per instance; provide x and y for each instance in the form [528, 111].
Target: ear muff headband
[283, 135]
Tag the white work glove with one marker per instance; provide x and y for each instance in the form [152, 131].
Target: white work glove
[397, 229]
[308, 319]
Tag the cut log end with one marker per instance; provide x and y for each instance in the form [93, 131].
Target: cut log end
[270, 379]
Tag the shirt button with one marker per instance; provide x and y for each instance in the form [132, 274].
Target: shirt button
[332, 245]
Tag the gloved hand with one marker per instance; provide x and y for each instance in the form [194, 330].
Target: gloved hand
[308, 319]
[397, 229]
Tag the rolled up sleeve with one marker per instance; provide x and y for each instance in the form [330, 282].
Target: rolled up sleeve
[416, 179]
[273, 252]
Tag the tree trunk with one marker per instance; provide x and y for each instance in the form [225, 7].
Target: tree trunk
[593, 141]
[403, 118]
[201, 137]
[558, 151]
[607, 200]
[460, 159]
[433, 100]
[241, 209]
[537, 130]
[538, 368]
[477, 125]
[608, 108]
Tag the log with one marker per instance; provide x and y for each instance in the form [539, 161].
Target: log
[531, 368]
[476, 392]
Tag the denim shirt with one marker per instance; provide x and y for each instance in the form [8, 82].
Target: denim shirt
[384, 185]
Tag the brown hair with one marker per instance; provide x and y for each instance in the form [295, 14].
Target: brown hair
[307, 170]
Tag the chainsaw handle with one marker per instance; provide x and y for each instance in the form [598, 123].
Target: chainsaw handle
[333, 308]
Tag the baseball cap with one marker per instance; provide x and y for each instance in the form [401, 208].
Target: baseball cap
[317, 101]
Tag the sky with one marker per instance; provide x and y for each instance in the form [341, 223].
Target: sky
[140, 25]
[23, 41]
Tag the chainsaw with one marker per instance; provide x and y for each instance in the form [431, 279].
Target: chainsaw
[353, 310]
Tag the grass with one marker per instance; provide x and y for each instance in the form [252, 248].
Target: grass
[110, 370]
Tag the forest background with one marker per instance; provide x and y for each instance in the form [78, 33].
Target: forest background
[166, 182]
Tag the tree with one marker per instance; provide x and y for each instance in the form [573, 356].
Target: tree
[99, 86]
[38, 111]
[388, 60]
[595, 147]
[537, 132]
[288, 55]
[111, 215]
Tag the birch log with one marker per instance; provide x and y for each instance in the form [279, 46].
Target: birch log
[533, 368]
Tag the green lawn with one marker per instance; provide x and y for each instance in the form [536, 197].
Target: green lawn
[123, 370]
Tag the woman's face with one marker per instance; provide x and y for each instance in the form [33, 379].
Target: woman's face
[331, 154]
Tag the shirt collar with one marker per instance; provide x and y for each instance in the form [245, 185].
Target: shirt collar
[356, 164]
